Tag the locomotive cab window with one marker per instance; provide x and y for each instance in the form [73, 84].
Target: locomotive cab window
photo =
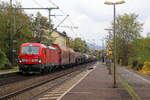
[30, 50]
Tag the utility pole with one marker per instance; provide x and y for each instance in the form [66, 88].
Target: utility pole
[12, 23]
[11, 34]
[50, 25]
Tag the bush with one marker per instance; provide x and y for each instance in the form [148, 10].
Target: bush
[4, 62]
[140, 66]
[136, 64]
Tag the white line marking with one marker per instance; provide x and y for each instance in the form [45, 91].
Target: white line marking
[48, 95]
[74, 85]
[139, 77]
[47, 98]
[81, 92]
[55, 92]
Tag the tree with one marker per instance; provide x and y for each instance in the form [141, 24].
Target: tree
[4, 62]
[79, 45]
[140, 51]
[41, 29]
[128, 28]
[11, 39]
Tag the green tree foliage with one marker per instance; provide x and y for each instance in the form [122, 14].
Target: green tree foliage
[41, 29]
[13, 33]
[40, 22]
[4, 62]
[16, 27]
[140, 52]
[79, 45]
[128, 28]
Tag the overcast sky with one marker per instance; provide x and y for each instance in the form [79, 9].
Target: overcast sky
[91, 16]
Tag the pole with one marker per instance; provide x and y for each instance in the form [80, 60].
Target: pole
[14, 32]
[114, 38]
[11, 3]
[103, 43]
[10, 34]
[114, 29]
[50, 26]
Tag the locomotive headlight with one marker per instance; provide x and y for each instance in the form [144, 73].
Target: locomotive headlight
[40, 60]
[22, 60]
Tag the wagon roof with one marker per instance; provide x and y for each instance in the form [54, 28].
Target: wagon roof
[33, 44]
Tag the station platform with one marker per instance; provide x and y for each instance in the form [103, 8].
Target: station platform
[6, 73]
[97, 85]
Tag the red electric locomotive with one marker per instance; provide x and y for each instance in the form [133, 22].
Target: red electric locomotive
[36, 57]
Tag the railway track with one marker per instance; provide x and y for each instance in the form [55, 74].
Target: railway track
[51, 78]
[13, 79]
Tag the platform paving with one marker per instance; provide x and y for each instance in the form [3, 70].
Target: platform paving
[138, 82]
[97, 85]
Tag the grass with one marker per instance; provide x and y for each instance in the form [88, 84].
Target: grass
[129, 89]
[14, 69]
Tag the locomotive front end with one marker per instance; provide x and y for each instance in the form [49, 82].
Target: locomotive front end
[30, 59]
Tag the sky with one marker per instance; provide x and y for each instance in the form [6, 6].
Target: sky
[90, 16]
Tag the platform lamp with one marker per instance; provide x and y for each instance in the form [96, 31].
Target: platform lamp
[114, 34]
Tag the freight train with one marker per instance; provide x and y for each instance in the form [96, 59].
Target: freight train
[37, 57]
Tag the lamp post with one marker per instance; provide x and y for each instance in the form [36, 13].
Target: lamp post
[114, 33]
[109, 32]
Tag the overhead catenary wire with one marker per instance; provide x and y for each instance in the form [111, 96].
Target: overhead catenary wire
[37, 3]
[62, 21]
[68, 21]
[50, 1]
[65, 26]
[58, 20]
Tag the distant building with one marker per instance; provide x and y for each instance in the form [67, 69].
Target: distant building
[59, 38]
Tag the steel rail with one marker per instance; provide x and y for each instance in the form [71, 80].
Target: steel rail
[14, 94]
[54, 86]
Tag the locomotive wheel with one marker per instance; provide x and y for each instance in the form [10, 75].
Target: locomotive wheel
[63, 67]
[25, 73]
[42, 71]
[49, 69]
